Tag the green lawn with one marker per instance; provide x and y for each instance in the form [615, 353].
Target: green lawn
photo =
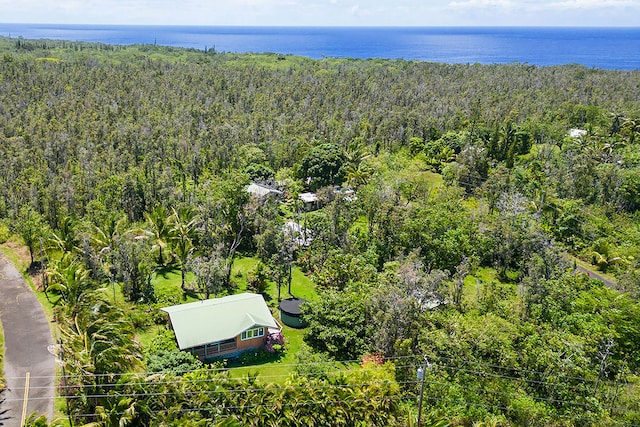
[301, 287]
[167, 285]
[476, 284]
[279, 370]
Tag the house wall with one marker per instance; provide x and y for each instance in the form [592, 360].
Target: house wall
[252, 343]
[241, 346]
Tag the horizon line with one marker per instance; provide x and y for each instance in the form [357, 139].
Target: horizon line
[323, 25]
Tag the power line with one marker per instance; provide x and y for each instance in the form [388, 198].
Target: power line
[229, 381]
[346, 386]
[436, 399]
[334, 371]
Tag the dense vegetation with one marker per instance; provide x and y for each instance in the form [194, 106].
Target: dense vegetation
[473, 208]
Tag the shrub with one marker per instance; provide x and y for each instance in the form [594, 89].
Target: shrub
[5, 233]
[257, 279]
[275, 343]
[172, 361]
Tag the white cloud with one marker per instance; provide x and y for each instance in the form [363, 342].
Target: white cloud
[480, 4]
[357, 10]
[593, 4]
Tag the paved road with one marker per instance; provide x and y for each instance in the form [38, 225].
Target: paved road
[27, 361]
[594, 275]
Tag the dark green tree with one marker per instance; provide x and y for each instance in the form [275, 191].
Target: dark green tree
[32, 229]
[323, 166]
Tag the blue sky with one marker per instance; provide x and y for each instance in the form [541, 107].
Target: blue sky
[325, 12]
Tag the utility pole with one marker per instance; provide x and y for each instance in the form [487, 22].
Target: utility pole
[45, 285]
[420, 374]
[65, 379]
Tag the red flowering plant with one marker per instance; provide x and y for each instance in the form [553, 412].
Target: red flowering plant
[372, 358]
[275, 342]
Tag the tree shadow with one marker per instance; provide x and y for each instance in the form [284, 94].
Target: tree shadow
[188, 292]
[165, 271]
[35, 268]
[254, 358]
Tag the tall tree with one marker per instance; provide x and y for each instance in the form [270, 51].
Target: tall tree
[131, 264]
[159, 223]
[32, 228]
[97, 346]
[71, 280]
[182, 232]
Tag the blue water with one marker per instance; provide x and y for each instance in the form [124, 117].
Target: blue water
[608, 48]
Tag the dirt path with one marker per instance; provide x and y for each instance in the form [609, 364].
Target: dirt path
[29, 368]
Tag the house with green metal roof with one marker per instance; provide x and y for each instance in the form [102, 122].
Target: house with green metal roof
[226, 326]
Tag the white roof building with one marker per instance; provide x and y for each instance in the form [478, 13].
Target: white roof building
[261, 191]
[308, 197]
[218, 319]
[577, 133]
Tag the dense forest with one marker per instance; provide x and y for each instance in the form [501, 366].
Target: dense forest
[493, 240]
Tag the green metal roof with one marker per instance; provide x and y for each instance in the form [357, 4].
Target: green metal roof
[203, 322]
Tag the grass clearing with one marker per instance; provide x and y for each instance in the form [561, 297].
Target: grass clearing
[301, 287]
[481, 280]
[279, 370]
[167, 284]
[145, 337]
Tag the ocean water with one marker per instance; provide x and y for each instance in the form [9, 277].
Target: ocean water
[608, 48]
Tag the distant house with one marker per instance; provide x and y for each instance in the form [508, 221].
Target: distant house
[262, 191]
[310, 201]
[577, 133]
[348, 193]
[226, 326]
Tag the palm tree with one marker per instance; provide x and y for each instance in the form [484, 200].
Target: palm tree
[355, 152]
[97, 345]
[358, 176]
[124, 412]
[632, 127]
[159, 224]
[71, 280]
[103, 239]
[182, 233]
[65, 237]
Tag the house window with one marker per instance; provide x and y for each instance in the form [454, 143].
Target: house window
[252, 333]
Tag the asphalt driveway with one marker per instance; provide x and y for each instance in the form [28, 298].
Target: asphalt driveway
[29, 368]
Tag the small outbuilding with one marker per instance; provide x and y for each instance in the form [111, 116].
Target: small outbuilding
[290, 312]
[310, 201]
[261, 191]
